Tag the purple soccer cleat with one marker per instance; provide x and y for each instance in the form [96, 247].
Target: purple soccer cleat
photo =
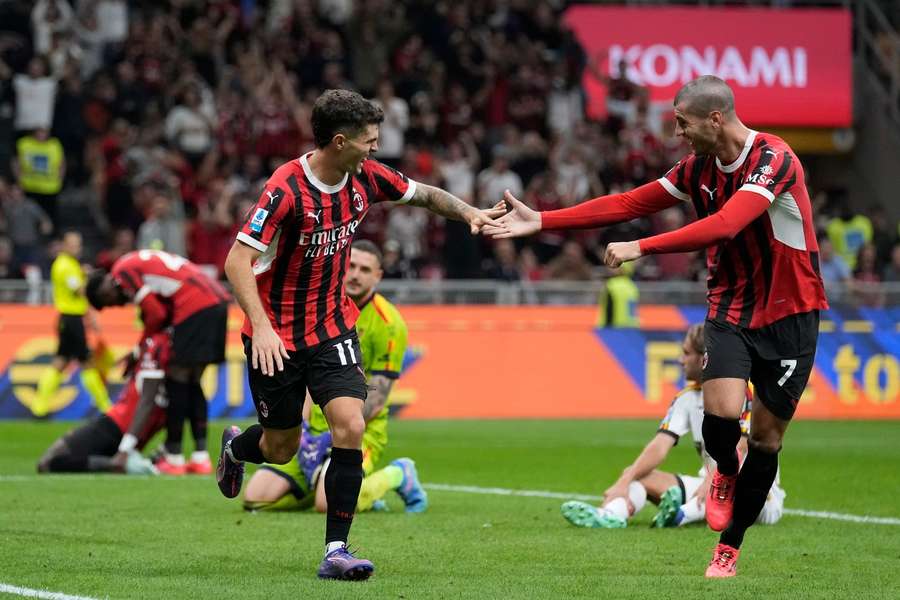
[341, 564]
[229, 473]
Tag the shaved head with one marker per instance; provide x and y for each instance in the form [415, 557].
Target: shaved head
[704, 95]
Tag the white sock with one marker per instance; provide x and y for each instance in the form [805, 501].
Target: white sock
[332, 546]
[175, 460]
[617, 507]
[692, 511]
[199, 456]
[637, 493]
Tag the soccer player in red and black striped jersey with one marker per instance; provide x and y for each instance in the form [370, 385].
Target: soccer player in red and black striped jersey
[171, 290]
[112, 442]
[765, 292]
[287, 267]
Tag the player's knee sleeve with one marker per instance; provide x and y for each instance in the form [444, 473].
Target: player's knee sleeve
[721, 436]
[637, 495]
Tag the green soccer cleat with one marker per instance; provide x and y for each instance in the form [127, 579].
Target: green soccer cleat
[669, 505]
[582, 514]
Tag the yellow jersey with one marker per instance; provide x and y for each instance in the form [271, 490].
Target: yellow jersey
[67, 278]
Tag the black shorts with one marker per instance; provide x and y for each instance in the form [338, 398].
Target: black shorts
[200, 339]
[328, 370]
[777, 358]
[98, 437]
[72, 339]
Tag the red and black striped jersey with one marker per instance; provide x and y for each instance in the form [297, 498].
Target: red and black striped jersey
[304, 229]
[153, 357]
[152, 278]
[770, 269]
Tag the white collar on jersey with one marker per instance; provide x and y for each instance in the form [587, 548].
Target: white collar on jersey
[322, 187]
[740, 159]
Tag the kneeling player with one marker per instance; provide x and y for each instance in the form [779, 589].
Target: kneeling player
[681, 498]
[382, 338]
[112, 442]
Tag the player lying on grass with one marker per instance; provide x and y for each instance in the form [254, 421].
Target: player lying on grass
[681, 498]
[112, 442]
[382, 337]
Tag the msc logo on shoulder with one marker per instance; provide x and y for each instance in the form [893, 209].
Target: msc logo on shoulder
[259, 217]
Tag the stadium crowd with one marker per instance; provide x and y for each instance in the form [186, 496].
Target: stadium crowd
[154, 124]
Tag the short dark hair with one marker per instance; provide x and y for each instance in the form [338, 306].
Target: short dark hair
[92, 288]
[370, 247]
[706, 94]
[342, 111]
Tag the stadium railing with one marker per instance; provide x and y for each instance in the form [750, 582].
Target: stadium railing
[486, 291]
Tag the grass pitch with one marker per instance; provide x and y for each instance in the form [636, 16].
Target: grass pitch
[122, 537]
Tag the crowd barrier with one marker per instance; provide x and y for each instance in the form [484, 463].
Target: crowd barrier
[473, 362]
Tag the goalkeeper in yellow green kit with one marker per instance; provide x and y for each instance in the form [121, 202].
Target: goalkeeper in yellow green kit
[382, 337]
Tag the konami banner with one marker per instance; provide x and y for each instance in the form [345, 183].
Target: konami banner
[787, 67]
[482, 362]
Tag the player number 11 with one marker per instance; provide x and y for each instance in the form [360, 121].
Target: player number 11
[343, 357]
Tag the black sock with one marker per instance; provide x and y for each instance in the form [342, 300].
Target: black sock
[178, 393]
[721, 437]
[245, 447]
[342, 482]
[198, 414]
[750, 493]
[68, 463]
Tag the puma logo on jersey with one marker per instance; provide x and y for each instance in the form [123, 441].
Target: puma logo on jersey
[315, 215]
[772, 152]
[711, 192]
[272, 197]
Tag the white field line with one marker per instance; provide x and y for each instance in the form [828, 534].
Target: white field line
[466, 489]
[494, 491]
[31, 593]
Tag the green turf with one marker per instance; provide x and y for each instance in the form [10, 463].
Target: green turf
[120, 537]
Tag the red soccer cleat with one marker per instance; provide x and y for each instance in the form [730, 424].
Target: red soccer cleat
[724, 562]
[199, 467]
[167, 468]
[720, 501]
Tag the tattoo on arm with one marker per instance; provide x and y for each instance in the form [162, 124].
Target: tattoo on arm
[440, 202]
[379, 388]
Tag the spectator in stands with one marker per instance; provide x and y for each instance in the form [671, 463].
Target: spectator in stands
[570, 265]
[26, 226]
[35, 97]
[41, 169]
[392, 133]
[496, 179]
[504, 265]
[866, 280]
[123, 242]
[164, 227]
[848, 232]
[190, 125]
[211, 234]
[49, 17]
[457, 168]
[831, 265]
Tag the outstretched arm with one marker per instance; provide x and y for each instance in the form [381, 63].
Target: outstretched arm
[604, 210]
[741, 210]
[653, 454]
[442, 202]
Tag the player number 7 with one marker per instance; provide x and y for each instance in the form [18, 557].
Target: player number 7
[343, 357]
[791, 364]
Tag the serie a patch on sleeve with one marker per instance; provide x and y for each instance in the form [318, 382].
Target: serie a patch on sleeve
[259, 217]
